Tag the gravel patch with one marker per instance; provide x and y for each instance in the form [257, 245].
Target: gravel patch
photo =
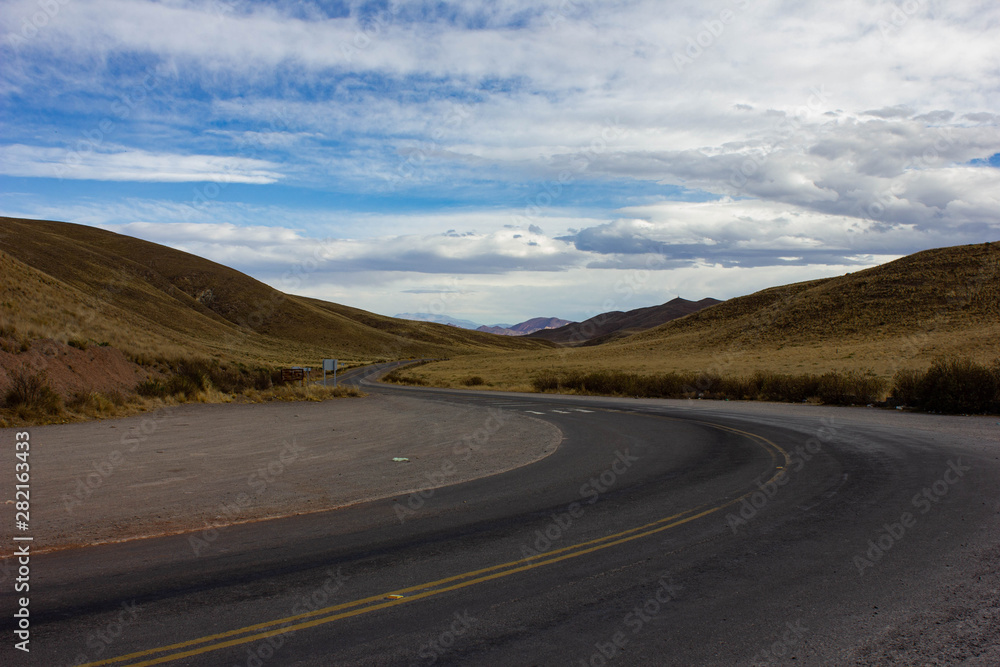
[191, 466]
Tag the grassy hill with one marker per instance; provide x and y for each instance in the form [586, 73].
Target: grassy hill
[609, 326]
[75, 283]
[941, 289]
[901, 315]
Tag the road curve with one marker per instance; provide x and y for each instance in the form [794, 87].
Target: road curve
[660, 532]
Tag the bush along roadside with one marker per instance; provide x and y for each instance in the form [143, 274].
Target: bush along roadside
[847, 388]
[30, 398]
[187, 378]
[949, 386]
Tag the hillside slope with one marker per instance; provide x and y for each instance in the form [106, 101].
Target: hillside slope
[67, 281]
[616, 324]
[945, 289]
[901, 315]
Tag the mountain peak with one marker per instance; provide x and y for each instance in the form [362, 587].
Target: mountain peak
[527, 327]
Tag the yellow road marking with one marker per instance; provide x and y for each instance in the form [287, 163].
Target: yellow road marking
[421, 591]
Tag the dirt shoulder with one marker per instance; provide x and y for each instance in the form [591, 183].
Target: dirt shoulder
[187, 466]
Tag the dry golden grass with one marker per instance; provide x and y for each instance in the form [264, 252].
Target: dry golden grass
[82, 285]
[902, 315]
[88, 406]
[200, 331]
[72, 282]
[312, 392]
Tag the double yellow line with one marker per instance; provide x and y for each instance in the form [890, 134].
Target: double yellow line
[253, 633]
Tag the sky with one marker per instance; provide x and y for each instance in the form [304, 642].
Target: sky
[503, 160]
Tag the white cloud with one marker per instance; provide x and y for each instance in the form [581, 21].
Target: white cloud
[132, 165]
[824, 135]
[274, 248]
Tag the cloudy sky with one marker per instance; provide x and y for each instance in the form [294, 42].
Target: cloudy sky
[509, 159]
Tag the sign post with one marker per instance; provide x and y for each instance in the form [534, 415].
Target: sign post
[330, 365]
[292, 374]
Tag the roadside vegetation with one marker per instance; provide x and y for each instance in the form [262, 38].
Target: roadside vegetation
[949, 386]
[403, 375]
[31, 400]
[847, 388]
[140, 325]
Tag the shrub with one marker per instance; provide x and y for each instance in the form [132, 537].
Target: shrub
[292, 392]
[959, 386]
[669, 385]
[188, 380]
[850, 388]
[78, 343]
[545, 381]
[398, 378]
[96, 403]
[836, 388]
[474, 381]
[31, 392]
[770, 386]
[191, 377]
[152, 389]
[906, 388]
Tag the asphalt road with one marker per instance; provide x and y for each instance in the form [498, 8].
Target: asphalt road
[660, 533]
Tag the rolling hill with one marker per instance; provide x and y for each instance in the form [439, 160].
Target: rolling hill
[904, 314]
[71, 282]
[617, 324]
[945, 289]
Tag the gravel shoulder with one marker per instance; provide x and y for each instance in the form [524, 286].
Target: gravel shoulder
[192, 466]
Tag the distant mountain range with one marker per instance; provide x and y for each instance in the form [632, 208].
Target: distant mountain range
[525, 328]
[521, 329]
[440, 319]
[598, 329]
[617, 324]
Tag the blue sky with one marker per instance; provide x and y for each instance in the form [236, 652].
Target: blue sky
[509, 159]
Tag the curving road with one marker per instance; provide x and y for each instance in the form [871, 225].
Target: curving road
[659, 533]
